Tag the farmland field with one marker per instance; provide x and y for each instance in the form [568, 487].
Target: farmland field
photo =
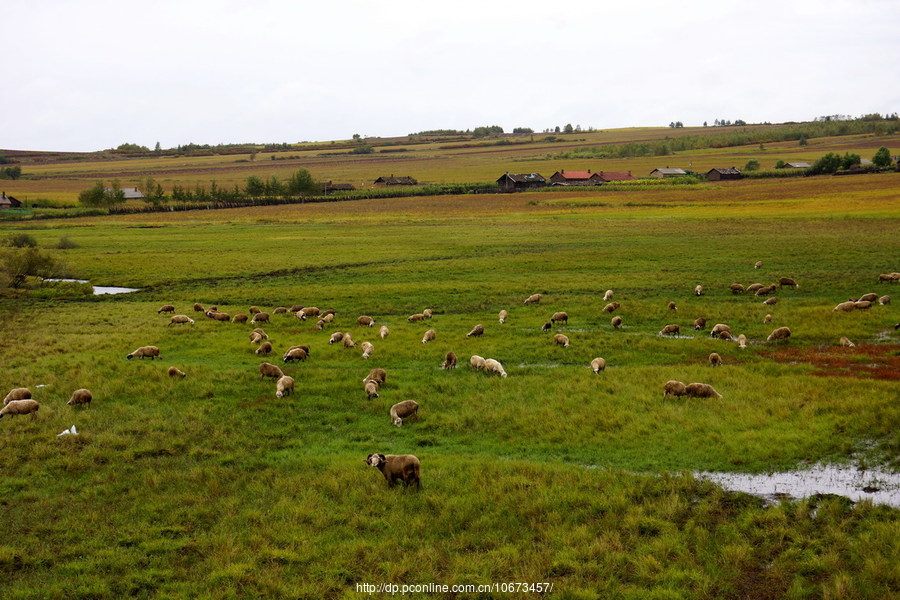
[211, 487]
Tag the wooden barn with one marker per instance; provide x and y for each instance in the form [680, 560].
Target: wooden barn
[330, 187]
[518, 182]
[667, 172]
[391, 180]
[607, 176]
[723, 174]
[564, 177]
[8, 201]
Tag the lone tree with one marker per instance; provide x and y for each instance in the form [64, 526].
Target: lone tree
[882, 157]
[301, 183]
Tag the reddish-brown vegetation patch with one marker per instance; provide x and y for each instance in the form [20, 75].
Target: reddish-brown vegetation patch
[865, 361]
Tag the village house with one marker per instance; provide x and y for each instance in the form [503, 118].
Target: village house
[607, 176]
[667, 172]
[8, 201]
[563, 177]
[517, 182]
[396, 181]
[796, 165]
[329, 187]
[722, 174]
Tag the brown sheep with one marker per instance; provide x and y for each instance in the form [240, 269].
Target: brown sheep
[698, 290]
[404, 467]
[598, 365]
[239, 318]
[476, 362]
[367, 349]
[758, 264]
[533, 299]
[559, 317]
[415, 318]
[845, 342]
[166, 308]
[407, 409]
[264, 349]
[616, 322]
[675, 388]
[365, 321]
[182, 319]
[17, 394]
[754, 287]
[766, 290]
[325, 313]
[259, 331]
[561, 340]
[198, 307]
[348, 342]
[737, 288]
[726, 335]
[20, 407]
[672, 306]
[701, 390]
[870, 297]
[384, 332]
[309, 311]
[845, 307]
[449, 361]
[295, 308]
[477, 331]
[253, 310]
[771, 301]
[371, 388]
[503, 314]
[862, 304]
[284, 386]
[255, 337]
[218, 316]
[150, 352]
[280, 310]
[429, 336]
[299, 353]
[176, 372]
[787, 281]
[782, 333]
[719, 328]
[670, 329]
[547, 326]
[81, 396]
[269, 370]
[377, 375]
[699, 323]
[611, 307]
[337, 336]
[715, 360]
[767, 319]
[213, 308]
[260, 317]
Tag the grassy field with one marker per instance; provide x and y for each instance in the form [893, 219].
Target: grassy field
[210, 487]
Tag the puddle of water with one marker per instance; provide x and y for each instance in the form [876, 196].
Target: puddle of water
[99, 290]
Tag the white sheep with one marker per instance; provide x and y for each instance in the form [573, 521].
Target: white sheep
[429, 336]
[503, 315]
[698, 290]
[476, 362]
[81, 396]
[176, 372]
[367, 349]
[533, 299]
[20, 407]
[494, 366]
[742, 341]
[284, 386]
[384, 331]
[150, 352]
[845, 342]
[17, 394]
[371, 388]
[561, 340]
[608, 296]
[348, 342]
[336, 337]
[477, 331]
[404, 410]
[598, 365]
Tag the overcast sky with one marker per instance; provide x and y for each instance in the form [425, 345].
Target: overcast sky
[87, 75]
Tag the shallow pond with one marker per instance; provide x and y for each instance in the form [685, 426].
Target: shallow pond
[99, 290]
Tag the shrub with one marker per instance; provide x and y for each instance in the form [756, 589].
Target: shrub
[18, 265]
[21, 240]
[752, 165]
[882, 158]
[66, 243]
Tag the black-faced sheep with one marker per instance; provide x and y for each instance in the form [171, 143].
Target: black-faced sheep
[547, 326]
[758, 264]
[239, 318]
[407, 409]
[384, 332]
[737, 288]
[299, 353]
[787, 281]
[698, 290]
[264, 349]
[771, 301]
[476, 331]
[608, 296]
[845, 342]
[449, 361]
[782, 333]
[336, 337]
[176, 372]
[284, 386]
[371, 388]
[429, 336]
[719, 328]
[403, 467]
[347, 341]
[675, 388]
[180, 319]
[81, 396]
[365, 321]
[701, 390]
[714, 359]
[845, 307]
[166, 308]
[150, 352]
[415, 318]
[320, 324]
[260, 317]
[611, 307]
[494, 366]
[670, 329]
[533, 299]
[598, 365]
[561, 340]
[367, 349]
[559, 317]
[20, 407]
[699, 323]
[476, 362]
[377, 375]
[616, 321]
[198, 307]
[672, 306]
[17, 394]
[269, 370]
[503, 314]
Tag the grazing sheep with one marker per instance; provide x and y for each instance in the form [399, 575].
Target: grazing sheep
[284, 386]
[264, 349]
[367, 349]
[280, 310]
[404, 467]
[337, 336]
[758, 264]
[218, 316]
[698, 290]
[782, 333]
[320, 324]
[309, 311]
[404, 410]
[533, 299]
[719, 328]
[726, 335]
[299, 353]
[150, 352]
[847, 343]
[212, 308]
[670, 329]
[239, 318]
[255, 338]
[377, 375]
[365, 321]
[183, 319]
[675, 388]
[348, 341]
[269, 370]
[742, 341]
[476, 331]
[330, 311]
[260, 332]
[616, 321]
[429, 336]
[701, 390]
[884, 300]
[449, 361]
[384, 332]
[253, 310]
[715, 360]
[608, 296]
[766, 290]
[371, 389]
[547, 326]
[845, 307]
[737, 288]
[767, 319]
[17, 394]
[672, 306]
[754, 287]
[260, 317]
[787, 281]
[494, 366]
[862, 304]
[699, 323]
[870, 297]
[81, 396]
[328, 318]
[198, 307]
[427, 313]
[560, 317]
[176, 372]
[771, 301]
[415, 318]
[476, 362]
[561, 340]
[166, 308]
[598, 364]
[295, 308]
[20, 407]
[503, 315]
[611, 307]
[889, 277]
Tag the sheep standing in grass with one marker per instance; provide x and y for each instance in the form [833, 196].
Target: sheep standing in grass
[559, 317]
[20, 407]
[698, 290]
[742, 341]
[407, 409]
[766, 290]
[264, 349]
[476, 362]
[365, 321]
[280, 310]
[598, 365]
[166, 308]
[477, 331]
[377, 375]
[782, 333]
[269, 370]
[845, 307]
[298, 353]
[336, 337]
[616, 322]
[180, 319]
[503, 315]
[863, 304]
[320, 324]
[715, 360]
[427, 313]
[533, 299]
[449, 361]
[787, 281]
[736, 288]
[218, 316]
[494, 366]
[672, 306]
[611, 307]
[754, 287]
[758, 265]
[367, 349]
[260, 317]
[259, 331]
[547, 326]
[239, 318]
[403, 467]
[176, 372]
[309, 311]
[254, 310]
[371, 388]
[17, 394]
[561, 340]
[82, 396]
[608, 296]
[884, 300]
[670, 329]
[348, 342]
[870, 297]
[198, 307]
[284, 386]
[771, 301]
[328, 317]
[150, 352]
[718, 328]
[429, 336]
[256, 337]
[384, 332]
[699, 323]
[701, 390]
[675, 388]
[415, 318]
[767, 319]
[846, 343]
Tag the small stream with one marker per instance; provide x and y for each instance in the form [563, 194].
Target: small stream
[99, 290]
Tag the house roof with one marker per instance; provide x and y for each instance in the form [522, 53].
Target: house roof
[524, 177]
[616, 175]
[725, 171]
[670, 171]
[797, 165]
[8, 201]
[573, 175]
[391, 180]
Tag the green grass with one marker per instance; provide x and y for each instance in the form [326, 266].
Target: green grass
[210, 487]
